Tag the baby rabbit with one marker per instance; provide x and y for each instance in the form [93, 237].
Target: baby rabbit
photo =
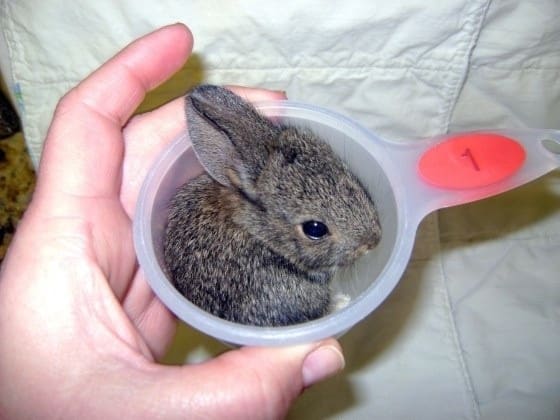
[257, 238]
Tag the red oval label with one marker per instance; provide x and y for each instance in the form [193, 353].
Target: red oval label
[471, 161]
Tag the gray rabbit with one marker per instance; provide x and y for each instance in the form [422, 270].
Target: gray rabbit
[258, 238]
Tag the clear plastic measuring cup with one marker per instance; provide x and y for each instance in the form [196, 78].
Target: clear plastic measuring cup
[406, 180]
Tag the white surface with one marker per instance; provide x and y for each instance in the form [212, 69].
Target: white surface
[472, 331]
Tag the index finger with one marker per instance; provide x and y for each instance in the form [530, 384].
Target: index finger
[117, 88]
[84, 147]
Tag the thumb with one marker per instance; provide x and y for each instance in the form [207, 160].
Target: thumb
[250, 382]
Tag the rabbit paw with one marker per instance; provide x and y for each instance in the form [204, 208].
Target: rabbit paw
[339, 301]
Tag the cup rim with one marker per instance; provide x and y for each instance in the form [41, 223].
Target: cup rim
[334, 324]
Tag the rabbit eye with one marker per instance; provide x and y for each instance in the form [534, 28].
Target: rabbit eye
[314, 229]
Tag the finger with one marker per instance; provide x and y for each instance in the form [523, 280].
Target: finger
[256, 94]
[155, 323]
[249, 382]
[84, 149]
[117, 88]
[147, 134]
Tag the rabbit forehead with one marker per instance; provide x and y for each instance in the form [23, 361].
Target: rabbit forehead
[315, 187]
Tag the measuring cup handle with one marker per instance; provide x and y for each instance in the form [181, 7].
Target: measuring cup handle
[464, 167]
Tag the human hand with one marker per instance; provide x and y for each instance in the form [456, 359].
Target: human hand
[80, 329]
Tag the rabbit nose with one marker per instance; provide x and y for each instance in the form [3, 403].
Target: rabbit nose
[369, 242]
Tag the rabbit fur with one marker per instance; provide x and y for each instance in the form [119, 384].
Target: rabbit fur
[236, 242]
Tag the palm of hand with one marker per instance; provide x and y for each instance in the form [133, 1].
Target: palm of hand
[80, 329]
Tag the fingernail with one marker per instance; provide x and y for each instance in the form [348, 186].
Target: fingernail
[321, 363]
[282, 93]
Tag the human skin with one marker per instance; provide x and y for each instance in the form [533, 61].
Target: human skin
[80, 330]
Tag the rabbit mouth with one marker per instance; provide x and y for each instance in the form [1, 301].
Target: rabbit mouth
[363, 250]
[351, 257]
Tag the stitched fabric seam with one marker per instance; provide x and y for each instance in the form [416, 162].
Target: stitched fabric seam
[489, 235]
[479, 15]
[449, 107]
[7, 33]
[364, 69]
[465, 372]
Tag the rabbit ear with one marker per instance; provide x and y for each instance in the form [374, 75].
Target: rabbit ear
[230, 138]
